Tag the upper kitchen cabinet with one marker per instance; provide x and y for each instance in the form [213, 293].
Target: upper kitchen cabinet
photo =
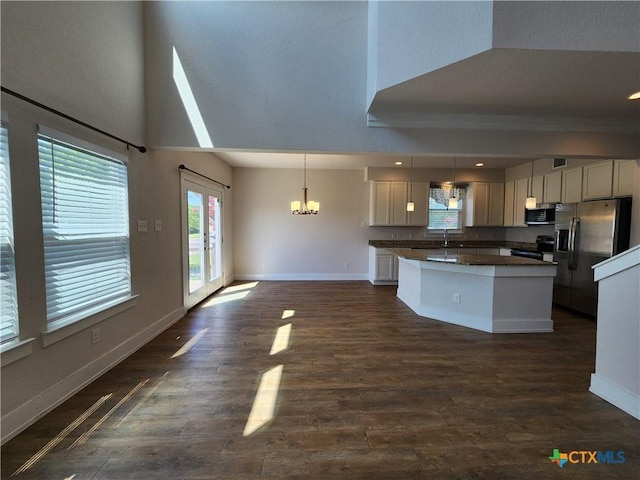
[597, 180]
[520, 199]
[420, 195]
[538, 188]
[572, 185]
[509, 197]
[515, 197]
[485, 204]
[623, 177]
[552, 188]
[388, 203]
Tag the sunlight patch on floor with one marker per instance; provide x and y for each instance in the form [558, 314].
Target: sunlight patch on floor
[281, 342]
[190, 344]
[288, 314]
[61, 436]
[237, 288]
[85, 436]
[264, 404]
[222, 298]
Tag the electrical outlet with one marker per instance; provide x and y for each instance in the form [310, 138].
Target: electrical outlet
[456, 298]
[95, 335]
[158, 225]
[346, 265]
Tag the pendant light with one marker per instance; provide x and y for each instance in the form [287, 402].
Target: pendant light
[531, 200]
[453, 201]
[308, 207]
[410, 205]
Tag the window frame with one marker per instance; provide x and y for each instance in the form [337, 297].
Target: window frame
[13, 323]
[69, 324]
[461, 212]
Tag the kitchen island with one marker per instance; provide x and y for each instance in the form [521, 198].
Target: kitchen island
[496, 294]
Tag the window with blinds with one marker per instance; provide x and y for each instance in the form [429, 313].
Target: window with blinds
[8, 293]
[441, 215]
[85, 221]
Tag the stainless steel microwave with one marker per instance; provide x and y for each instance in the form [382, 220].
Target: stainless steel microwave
[544, 214]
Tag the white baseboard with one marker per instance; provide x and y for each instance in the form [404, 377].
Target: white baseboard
[288, 277]
[616, 395]
[26, 414]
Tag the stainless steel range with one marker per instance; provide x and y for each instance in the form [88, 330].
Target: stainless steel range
[544, 244]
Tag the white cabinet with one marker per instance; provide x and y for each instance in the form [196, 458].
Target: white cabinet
[509, 197]
[484, 204]
[420, 197]
[515, 197]
[572, 185]
[398, 205]
[520, 198]
[496, 204]
[388, 203]
[383, 267]
[538, 188]
[624, 175]
[597, 180]
[552, 188]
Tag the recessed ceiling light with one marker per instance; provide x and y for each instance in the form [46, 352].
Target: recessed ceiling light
[398, 163]
[479, 164]
[634, 96]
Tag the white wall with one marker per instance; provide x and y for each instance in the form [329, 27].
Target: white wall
[293, 76]
[562, 25]
[83, 58]
[300, 247]
[50, 41]
[415, 38]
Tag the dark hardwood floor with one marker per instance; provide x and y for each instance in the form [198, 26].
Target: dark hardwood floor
[363, 389]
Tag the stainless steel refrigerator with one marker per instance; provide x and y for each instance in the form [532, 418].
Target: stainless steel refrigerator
[585, 234]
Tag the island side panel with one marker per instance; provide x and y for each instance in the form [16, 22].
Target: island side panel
[490, 298]
[429, 288]
[523, 304]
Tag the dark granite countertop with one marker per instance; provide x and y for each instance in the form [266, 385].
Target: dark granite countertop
[424, 255]
[452, 244]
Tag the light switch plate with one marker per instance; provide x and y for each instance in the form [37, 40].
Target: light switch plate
[142, 225]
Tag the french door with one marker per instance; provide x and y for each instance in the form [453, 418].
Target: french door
[202, 240]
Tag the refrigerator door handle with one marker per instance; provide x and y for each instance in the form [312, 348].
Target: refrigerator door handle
[573, 231]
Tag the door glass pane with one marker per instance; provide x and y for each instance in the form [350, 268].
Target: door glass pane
[196, 240]
[215, 268]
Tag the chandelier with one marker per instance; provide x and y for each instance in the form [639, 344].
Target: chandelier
[308, 207]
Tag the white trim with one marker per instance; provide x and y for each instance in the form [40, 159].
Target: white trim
[616, 395]
[77, 142]
[622, 261]
[26, 414]
[453, 121]
[288, 277]
[55, 333]
[14, 351]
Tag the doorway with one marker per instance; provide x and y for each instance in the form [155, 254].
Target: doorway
[202, 239]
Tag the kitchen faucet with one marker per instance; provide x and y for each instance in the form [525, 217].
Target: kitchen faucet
[446, 237]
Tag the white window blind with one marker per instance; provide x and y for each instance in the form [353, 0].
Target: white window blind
[8, 297]
[85, 221]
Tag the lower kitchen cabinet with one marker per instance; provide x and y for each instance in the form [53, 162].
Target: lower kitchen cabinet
[383, 267]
